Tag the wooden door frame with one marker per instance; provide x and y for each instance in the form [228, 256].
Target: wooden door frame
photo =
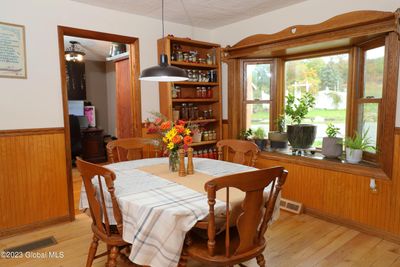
[133, 42]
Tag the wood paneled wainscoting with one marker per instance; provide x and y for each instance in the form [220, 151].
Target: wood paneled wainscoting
[33, 179]
[346, 198]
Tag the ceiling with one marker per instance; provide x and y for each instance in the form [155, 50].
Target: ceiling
[207, 14]
[94, 49]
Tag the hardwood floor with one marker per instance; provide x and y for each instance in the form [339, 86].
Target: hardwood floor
[295, 240]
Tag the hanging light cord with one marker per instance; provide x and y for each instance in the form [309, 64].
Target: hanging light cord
[162, 20]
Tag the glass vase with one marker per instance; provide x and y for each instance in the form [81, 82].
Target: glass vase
[173, 161]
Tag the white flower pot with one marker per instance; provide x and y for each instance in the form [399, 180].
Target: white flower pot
[353, 155]
[196, 138]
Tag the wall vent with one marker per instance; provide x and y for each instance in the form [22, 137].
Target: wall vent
[291, 206]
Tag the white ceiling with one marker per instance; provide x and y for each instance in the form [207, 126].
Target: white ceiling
[94, 49]
[207, 14]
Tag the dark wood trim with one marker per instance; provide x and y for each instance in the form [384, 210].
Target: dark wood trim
[349, 25]
[134, 60]
[225, 121]
[367, 170]
[387, 116]
[33, 131]
[397, 130]
[353, 224]
[34, 226]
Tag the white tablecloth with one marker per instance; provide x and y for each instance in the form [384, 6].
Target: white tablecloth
[158, 213]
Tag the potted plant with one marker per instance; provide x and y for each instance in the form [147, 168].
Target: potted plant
[259, 138]
[356, 145]
[196, 132]
[245, 134]
[278, 139]
[300, 136]
[332, 146]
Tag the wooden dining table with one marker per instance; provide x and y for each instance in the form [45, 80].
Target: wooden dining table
[159, 207]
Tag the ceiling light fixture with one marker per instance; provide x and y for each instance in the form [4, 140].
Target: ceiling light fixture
[163, 72]
[74, 53]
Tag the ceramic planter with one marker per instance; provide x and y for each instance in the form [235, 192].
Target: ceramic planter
[278, 139]
[301, 136]
[353, 155]
[196, 137]
[332, 147]
[261, 143]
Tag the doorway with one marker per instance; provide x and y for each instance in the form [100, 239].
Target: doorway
[128, 98]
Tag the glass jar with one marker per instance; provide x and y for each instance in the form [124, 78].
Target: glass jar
[190, 111]
[209, 92]
[205, 114]
[186, 56]
[173, 92]
[210, 112]
[205, 136]
[209, 59]
[178, 91]
[195, 113]
[179, 56]
[210, 153]
[214, 135]
[184, 112]
[195, 76]
[203, 92]
[198, 92]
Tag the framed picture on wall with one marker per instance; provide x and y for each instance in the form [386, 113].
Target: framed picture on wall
[12, 51]
[90, 115]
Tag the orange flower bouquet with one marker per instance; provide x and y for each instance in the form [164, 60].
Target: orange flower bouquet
[174, 136]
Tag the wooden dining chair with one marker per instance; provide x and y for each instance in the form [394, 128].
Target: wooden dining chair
[132, 148]
[101, 227]
[238, 151]
[246, 239]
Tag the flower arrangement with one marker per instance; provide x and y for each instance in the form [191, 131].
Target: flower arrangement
[173, 135]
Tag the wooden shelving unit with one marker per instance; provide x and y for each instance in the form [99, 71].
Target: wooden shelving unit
[188, 88]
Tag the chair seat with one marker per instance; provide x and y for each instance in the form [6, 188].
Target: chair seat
[198, 251]
[114, 239]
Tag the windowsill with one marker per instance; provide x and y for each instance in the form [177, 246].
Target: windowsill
[319, 161]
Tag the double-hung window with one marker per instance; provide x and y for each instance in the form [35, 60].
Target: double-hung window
[258, 94]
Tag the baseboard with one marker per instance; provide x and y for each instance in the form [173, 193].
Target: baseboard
[354, 225]
[34, 226]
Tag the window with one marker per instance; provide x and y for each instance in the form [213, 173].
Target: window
[326, 79]
[258, 94]
[370, 96]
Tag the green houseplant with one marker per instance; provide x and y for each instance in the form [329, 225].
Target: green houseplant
[245, 134]
[259, 138]
[332, 146]
[300, 136]
[278, 139]
[356, 145]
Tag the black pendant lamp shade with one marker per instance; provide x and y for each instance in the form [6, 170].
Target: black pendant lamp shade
[164, 72]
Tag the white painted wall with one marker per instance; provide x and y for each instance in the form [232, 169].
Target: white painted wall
[36, 102]
[308, 12]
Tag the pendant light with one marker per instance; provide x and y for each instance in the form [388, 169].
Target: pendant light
[163, 72]
[73, 53]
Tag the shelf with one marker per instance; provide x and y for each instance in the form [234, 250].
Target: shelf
[180, 100]
[203, 121]
[196, 83]
[118, 57]
[204, 143]
[194, 65]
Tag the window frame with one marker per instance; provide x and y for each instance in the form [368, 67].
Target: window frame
[273, 96]
[359, 98]
[331, 52]
[383, 158]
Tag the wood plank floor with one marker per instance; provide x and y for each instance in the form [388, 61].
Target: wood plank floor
[295, 240]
